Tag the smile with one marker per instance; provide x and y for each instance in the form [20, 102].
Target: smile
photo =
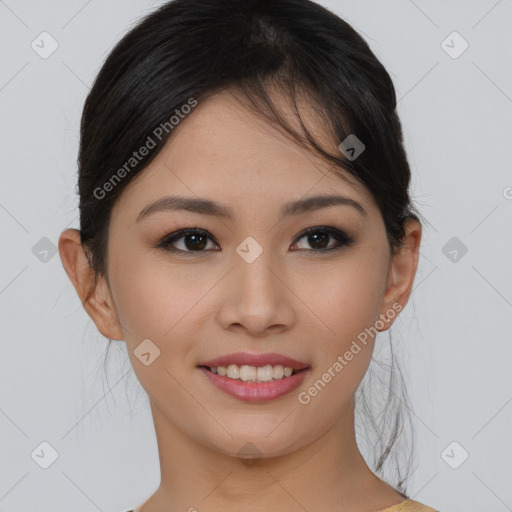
[252, 384]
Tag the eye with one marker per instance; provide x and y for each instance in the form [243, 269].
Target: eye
[318, 238]
[194, 240]
[189, 240]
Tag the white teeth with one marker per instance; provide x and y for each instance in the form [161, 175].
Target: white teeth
[278, 372]
[248, 373]
[233, 371]
[265, 373]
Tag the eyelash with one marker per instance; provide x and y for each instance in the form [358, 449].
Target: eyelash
[341, 237]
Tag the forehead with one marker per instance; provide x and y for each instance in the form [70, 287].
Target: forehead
[226, 152]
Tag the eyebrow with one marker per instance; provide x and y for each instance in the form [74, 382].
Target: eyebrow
[213, 208]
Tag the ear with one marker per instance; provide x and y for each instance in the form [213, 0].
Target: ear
[402, 270]
[100, 306]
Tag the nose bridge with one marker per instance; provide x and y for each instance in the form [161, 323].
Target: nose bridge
[256, 278]
[257, 299]
[254, 263]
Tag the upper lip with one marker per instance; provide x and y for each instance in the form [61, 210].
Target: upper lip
[245, 358]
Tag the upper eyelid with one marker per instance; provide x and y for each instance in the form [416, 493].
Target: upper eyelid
[185, 231]
[180, 233]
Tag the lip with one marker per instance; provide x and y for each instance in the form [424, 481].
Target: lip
[245, 358]
[256, 391]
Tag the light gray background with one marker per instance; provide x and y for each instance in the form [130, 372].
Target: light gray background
[456, 330]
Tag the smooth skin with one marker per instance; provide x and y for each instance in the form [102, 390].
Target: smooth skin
[207, 302]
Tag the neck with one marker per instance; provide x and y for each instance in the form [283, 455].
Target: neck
[327, 473]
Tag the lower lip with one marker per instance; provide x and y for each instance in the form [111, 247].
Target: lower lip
[256, 391]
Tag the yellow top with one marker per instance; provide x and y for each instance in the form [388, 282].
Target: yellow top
[408, 506]
[404, 506]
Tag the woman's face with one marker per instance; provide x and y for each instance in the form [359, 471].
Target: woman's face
[251, 282]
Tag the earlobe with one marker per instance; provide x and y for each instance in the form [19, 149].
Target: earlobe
[402, 270]
[99, 305]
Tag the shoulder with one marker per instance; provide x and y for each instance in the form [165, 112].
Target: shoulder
[408, 505]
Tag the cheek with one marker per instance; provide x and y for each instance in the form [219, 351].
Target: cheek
[352, 296]
[153, 297]
[160, 302]
[349, 309]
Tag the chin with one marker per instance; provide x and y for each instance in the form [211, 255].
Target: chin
[255, 443]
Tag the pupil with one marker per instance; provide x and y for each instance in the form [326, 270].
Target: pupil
[312, 241]
[196, 243]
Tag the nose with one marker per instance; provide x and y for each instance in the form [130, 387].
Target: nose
[256, 298]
